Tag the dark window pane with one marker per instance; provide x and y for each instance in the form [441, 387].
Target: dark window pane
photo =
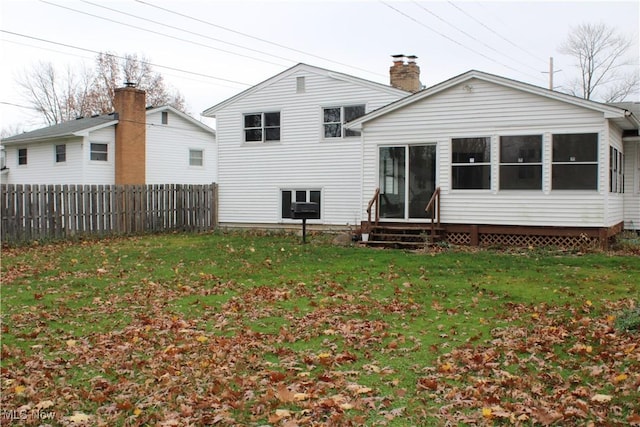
[352, 113]
[271, 119]
[574, 177]
[521, 177]
[332, 115]
[332, 131]
[314, 197]
[253, 135]
[349, 132]
[575, 147]
[471, 150]
[286, 204]
[471, 177]
[301, 196]
[165, 118]
[272, 134]
[98, 152]
[253, 120]
[521, 149]
[22, 156]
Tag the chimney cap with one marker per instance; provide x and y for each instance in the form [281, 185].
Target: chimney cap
[398, 57]
[130, 84]
[411, 58]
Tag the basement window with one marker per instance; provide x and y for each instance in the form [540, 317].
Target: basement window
[99, 152]
[291, 196]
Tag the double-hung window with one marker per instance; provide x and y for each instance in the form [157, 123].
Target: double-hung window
[292, 196]
[333, 119]
[521, 162]
[575, 161]
[196, 158]
[22, 156]
[616, 171]
[262, 127]
[471, 163]
[61, 153]
[99, 152]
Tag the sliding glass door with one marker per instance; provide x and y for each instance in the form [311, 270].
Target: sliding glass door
[407, 180]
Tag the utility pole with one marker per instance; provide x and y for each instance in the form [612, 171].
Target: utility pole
[551, 72]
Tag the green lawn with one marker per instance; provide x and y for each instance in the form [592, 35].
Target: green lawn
[256, 329]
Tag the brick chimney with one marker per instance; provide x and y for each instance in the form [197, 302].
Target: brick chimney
[130, 105]
[405, 74]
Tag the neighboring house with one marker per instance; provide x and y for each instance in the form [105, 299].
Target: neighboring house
[283, 141]
[134, 145]
[504, 154]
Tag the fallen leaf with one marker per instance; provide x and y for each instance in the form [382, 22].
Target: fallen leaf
[601, 398]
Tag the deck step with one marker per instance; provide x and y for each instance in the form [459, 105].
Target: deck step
[403, 236]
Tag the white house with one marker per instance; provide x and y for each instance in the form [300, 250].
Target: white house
[508, 157]
[283, 141]
[134, 145]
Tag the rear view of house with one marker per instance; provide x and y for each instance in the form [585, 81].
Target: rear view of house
[513, 162]
[284, 141]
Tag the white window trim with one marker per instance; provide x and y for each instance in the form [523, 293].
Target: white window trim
[540, 163]
[18, 157]
[55, 155]
[342, 107]
[109, 153]
[293, 191]
[263, 128]
[490, 163]
[201, 150]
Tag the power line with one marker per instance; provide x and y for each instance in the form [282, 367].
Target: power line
[258, 38]
[121, 57]
[447, 37]
[495, 32]
[160, 34]
[188, 31]
[471, 36]
[48, 49]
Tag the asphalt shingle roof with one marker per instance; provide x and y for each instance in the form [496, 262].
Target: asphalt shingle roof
[62, 129]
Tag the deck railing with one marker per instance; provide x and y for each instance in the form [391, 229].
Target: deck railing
[433, 210]
[373, 201]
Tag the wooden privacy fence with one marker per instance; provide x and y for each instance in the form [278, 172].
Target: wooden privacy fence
[33, 212]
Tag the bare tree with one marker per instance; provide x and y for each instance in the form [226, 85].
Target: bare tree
[59, 97]
[600, 54]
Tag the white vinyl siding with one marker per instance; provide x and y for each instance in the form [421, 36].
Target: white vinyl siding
[42, 167]
[631, 194]
[168, 151]
[251, 176]
[496, 110]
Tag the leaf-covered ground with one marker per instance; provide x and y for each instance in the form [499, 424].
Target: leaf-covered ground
[248, 329]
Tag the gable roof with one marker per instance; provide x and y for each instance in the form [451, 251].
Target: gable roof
[66, 129]
[624, 118]
[183, 115]
[82, 127]
[211, 112]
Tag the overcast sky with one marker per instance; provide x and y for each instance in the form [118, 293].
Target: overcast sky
[210, 50]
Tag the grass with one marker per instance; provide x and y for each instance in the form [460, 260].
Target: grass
[257, 329]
